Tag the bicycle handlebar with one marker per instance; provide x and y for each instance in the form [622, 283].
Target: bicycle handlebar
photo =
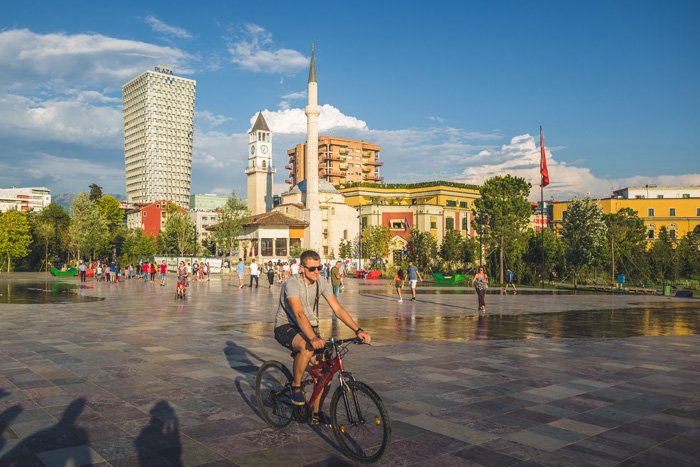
[354, 340]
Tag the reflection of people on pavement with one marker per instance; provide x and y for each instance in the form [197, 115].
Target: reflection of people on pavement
[65, 433]
[159, 441]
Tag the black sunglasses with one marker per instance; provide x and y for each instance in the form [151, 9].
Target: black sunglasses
[314, 268]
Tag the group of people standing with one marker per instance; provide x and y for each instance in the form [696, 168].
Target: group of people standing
[400, 280]
[278, 271]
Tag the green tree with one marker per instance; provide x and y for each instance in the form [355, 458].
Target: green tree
[626, 243]
[453, 251]
[88, 231]
[422, 250]
[688, 254]
[15, 236]
[553, 255]
[95, 192]
[59, 220]
[583, 233]
[375, 241]
[138, 245]
[232, 217]
[345, 249]
[178, 235]
[506, 213]
[662, 256]
[110, 210]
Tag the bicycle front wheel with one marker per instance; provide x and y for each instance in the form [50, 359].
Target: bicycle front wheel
[272, 394]
[361, 424]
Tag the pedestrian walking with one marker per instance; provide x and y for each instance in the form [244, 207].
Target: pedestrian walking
[145, 269]
[270, 271]
[481, 283]
[337, 278]
[113, 270]
[294, 268]
[510, 281]
[240, 269]
[83, 271]
[413, 278]
[398, 283]
[254, 273]
[152, 272]
[163, 273]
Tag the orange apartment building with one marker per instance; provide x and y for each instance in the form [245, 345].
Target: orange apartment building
[340, 161]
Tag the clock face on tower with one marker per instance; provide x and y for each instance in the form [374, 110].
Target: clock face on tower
[252, 150]
[263, 149]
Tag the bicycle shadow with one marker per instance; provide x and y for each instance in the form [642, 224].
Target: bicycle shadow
[244, 361]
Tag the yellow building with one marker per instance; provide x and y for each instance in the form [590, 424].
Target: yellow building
[679, 215]
[434, 207]
[340, 161]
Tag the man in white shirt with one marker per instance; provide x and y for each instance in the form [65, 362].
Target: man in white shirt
[254, 273]
[294, 268]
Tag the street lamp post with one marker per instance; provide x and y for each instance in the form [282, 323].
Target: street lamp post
[194, 254]
[481, 237]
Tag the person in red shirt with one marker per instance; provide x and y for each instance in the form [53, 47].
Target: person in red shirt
[163, 272]
[145, 270]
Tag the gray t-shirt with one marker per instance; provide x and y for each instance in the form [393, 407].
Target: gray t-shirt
[412, 273]
[296, 287]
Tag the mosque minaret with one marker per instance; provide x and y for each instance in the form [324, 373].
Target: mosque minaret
[312, 211]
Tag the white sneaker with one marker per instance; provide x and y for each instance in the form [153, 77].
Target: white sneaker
[401, 300]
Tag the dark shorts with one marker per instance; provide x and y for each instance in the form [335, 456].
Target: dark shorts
[286, 333]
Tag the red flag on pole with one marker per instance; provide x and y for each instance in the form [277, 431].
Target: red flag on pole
[543, 162]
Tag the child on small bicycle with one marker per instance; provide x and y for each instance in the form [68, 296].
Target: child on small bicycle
[182, 275]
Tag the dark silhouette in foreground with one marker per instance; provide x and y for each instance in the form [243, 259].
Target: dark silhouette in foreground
[159, 441]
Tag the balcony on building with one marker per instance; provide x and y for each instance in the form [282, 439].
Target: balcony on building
[289, 167]
[375, 178]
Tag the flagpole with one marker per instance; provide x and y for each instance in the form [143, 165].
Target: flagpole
[542, 209]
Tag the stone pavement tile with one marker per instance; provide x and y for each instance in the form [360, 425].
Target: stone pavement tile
[219, 463]
[628, 438]
[577, 426]
[554, 392]
[117, 448]
[643, 429]
[587, 454]
[553, 410]
[611, 413]
[449, 460]
[197, 454]
[75, 455]
[501, 424]
[537, 440]
[663, 418]
[580, 403]
[265, 458]
[653, 457]
[558, 433]
[485, 456]
[449, 429]
[513, 449]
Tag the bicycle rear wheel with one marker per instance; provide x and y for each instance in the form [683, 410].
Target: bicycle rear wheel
[361, 424]
[272, 394]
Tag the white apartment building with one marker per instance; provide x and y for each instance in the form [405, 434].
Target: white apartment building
[202, 220]
[158, 135]
[659, 192]
[24, 199]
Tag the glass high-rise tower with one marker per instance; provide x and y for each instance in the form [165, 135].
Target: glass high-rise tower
[158, 134]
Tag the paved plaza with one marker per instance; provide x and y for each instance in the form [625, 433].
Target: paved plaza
[140, 378]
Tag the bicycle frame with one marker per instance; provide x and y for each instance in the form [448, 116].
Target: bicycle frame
[323, 372]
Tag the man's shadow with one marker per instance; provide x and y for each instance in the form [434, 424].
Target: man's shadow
[7, 416]
[241, 359]
[64, 434]
[158, 443]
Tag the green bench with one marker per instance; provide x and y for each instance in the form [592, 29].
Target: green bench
[448, 280]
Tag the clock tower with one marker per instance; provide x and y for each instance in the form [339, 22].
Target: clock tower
[259, 169]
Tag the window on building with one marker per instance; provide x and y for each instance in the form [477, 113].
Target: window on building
[397, 225]
[294, 243]
[672, 228]
[660, 196]
[145, 213]
[449, 223]
[672, 212]
[651, 232]
[639, 196]
[433, 225]
[281, 247]
[650, 212]
[697, 212]
[463, 204]
[465, 223]
[450, 203]
[266, 246]
[686, 195]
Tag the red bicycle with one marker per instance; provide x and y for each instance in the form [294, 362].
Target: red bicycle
[359, 420]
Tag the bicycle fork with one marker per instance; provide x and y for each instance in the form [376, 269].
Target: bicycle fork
[346, 390]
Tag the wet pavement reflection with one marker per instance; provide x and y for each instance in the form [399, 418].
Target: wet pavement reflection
[44, 292]
[406, 327]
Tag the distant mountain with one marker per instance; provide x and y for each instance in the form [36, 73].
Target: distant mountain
[66, 199]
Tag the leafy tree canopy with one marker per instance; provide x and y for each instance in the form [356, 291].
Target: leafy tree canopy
[15, 236]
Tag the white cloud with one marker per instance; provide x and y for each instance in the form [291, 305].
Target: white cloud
[206, 118]
[255, 51]
[61, 120]
[436, 119]
[286, 121]
[29, 60]
[159, 26]
[521, 157]
[295, 95]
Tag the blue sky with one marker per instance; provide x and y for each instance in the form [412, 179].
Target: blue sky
[450, 90]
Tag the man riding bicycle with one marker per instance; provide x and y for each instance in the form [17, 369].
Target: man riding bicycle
[296, 322]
